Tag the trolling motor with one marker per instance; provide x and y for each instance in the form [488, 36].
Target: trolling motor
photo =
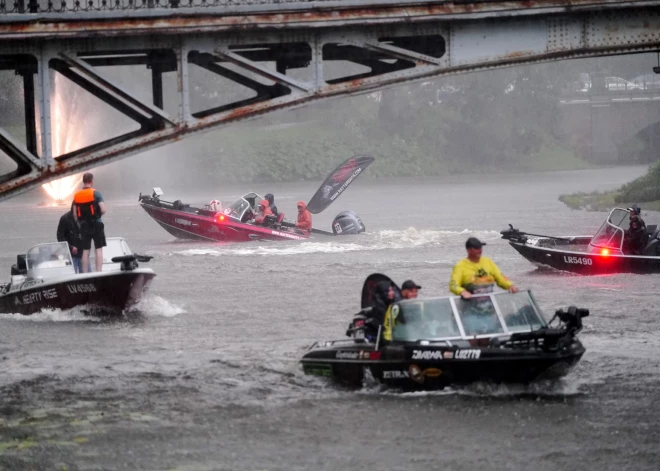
[553, 339]
[130, 262]
[572, 318]
[513, 234]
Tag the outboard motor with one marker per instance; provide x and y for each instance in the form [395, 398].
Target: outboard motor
[347, 222]
[572, 318]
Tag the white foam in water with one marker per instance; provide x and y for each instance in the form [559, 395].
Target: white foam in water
[153, 305]
[77, 314]
[383, 240]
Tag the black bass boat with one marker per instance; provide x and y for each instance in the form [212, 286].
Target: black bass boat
[234, 222]
[45, 278]
[604, 253]
[435, 342]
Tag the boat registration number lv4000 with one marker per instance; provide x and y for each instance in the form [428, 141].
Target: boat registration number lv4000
[578, 260]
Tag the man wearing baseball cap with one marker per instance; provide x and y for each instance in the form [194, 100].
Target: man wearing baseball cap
[409, 289]
[476, 274]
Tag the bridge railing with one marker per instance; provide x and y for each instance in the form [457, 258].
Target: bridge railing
[72, 6]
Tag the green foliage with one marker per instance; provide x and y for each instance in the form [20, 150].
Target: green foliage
[644, 189]
[479, 123]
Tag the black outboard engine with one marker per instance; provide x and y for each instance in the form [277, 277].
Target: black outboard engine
[347, 222]
[357, 325]
[572, 318]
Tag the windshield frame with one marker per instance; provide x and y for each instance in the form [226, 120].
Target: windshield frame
[244, 203]
[390, 322]
[611, 225]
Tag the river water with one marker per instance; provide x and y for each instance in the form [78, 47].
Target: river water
[206, 375]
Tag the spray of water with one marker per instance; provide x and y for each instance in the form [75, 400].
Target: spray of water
[65, 110]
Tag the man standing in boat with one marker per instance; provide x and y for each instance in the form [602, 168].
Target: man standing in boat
[477, 274]
[68, 230]
[89, 207]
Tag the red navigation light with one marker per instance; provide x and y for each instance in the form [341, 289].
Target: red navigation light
[221, 218]
[374, 355]
[605, 251]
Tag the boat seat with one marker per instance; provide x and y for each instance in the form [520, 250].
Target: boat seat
[653, 232]
[269, 221]
[20, 267]
[652, 248]
[280, 218]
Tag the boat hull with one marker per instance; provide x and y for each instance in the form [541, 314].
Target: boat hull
[415, 367]
[186, 225]
[101, 293]
[585, 263]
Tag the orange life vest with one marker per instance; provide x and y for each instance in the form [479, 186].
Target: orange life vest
[86, 208]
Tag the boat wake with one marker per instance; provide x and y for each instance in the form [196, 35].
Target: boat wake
[150, 306]
[381, 240]
[155, 306]
[77, 314]
[563, 388]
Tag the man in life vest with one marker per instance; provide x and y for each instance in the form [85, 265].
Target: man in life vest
[271, 202]
[409, 289]
[263, 212]
[89, 207]
[304, 222]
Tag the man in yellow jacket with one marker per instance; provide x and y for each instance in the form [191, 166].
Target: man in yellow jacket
[477, 274]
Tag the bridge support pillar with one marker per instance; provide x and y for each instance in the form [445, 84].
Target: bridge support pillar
[603, 149]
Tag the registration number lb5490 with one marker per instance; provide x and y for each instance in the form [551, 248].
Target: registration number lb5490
[578, 260]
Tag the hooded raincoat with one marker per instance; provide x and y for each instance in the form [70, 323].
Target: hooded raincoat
[261, 216]
[304, 222]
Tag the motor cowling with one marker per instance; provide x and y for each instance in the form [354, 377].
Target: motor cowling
[347, 222]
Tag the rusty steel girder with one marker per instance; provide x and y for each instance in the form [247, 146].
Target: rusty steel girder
[283, 68]
[147, 17]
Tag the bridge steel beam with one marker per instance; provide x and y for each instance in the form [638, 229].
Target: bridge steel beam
[286, 66]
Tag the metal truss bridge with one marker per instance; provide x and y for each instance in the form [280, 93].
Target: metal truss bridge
[284, 53]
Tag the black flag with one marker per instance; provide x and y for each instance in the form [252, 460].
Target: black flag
[369, 288]
[337, 182]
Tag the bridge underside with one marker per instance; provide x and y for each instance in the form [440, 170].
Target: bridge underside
[277, 68]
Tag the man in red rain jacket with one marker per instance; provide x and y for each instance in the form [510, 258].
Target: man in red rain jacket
[264, 211]
[304, 222]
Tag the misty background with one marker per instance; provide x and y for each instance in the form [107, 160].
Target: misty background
[509, 120]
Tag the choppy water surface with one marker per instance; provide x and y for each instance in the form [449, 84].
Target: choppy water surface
[205, 376]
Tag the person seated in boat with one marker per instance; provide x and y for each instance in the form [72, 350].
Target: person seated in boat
[271, 202]
[262, 213]
[304, 222]
[409, 289]
[477, 274]
[384, 295]
[636, 236]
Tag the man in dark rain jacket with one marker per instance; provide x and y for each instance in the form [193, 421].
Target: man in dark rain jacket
[271, 202]
[68, 230]
[385, 294]
[636, 237]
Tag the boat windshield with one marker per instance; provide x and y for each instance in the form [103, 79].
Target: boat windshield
[610, 235]
[53, 255]
[238, 208]
[449, 318]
